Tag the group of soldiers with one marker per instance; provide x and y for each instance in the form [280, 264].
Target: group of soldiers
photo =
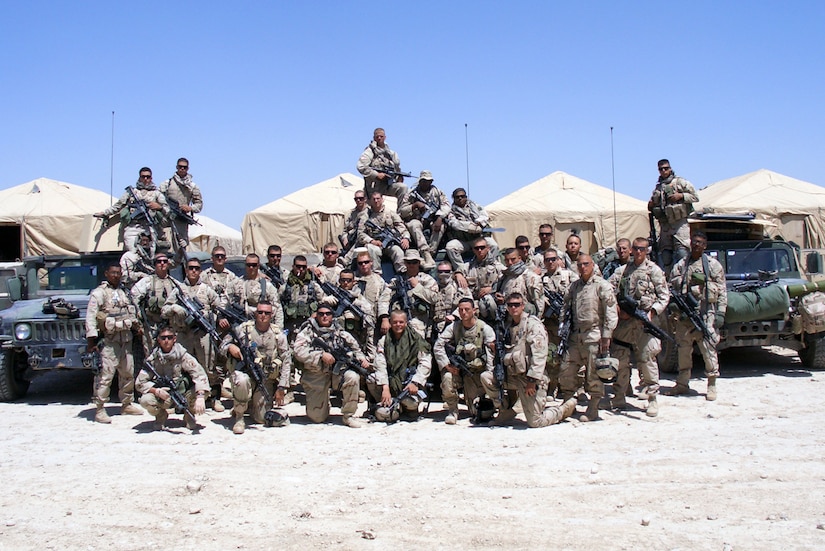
[526, 325]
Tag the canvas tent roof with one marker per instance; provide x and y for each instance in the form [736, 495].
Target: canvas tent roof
[305, 220]
[50, 214]
[212, 233]
[794, 206]
[568, 203]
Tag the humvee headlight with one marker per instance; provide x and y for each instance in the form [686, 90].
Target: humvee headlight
[22, 331]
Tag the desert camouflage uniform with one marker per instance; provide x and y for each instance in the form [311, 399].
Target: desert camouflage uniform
[481, 275]
[449, 294]
[557, 282]
[645, 283]
[186, 192]
[709, 289]
[152, 293]
[362, 330]
[594, 317]
[354, 227]
[252, 291]
[375, 291]
[186, 373]
[385, 219]
[464, 226]
[329, 274]
[299, 299]
[111, 314]
[422, 298]
[674, 232]
[135, 265]
[372, 161]
[134, 222]
[275, 359]
[223, 283]
[520, 279]
[416, 225]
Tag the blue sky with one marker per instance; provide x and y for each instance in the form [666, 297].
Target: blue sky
[267, 97]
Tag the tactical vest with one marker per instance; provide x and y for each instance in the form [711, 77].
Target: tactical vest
[471, 347]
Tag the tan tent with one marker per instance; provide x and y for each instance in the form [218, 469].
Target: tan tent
[46, 217]
[795, 207]
[305, 220]
[569, 204]
[212, 233]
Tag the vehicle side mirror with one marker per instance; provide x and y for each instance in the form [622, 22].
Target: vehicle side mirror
[813, 262]
[15, 287]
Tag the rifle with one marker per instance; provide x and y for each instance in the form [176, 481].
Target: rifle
[344, 359]
[654, 239]
[387, 236]
[401, 295]
[177, 397]
[405, 393]
[565, 329]
[178, 213]
[394, 174]
[141, 207]
[233, 313]
[502, 340]
[555, 302]
[688, 304]
[274, 273]
[431, 213]
[458, 361]
[630, 306]
[194, 309]
[345, 302]
[248, 364]
[350, 243]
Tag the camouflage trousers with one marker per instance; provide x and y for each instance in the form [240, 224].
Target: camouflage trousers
[581, 356]
[686, 335]
[153, 405]
[246, 391]
[317, 385]
[115, 356]
[475, 386]
[645, 349]
[416, 229]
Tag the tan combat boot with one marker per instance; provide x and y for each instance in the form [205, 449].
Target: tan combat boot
[101, 416]
[160, 419]
[678, 390]
[217, 405]
[131, 409]
[652, 407]
[557, 414]
[452, 417]
[428, 260]
[503, 418]
[711, 395]
[240, 424]
[352, 422]
[592, 413]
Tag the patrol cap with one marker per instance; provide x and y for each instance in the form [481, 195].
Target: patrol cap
[426, 175]
[412, 255]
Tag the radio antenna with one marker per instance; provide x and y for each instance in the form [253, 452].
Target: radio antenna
[467, 155]
[112, 164]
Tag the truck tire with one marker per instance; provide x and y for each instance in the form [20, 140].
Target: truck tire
[813, 355]
[12, 384]
[668, 358]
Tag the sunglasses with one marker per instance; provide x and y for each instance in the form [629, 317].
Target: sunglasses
[218, 256]
[273, 256]
[545, 234]
[324, 314]
[330, 252]
[263, 312]
[162, 261]
[166, 337]
[514, 304]
[250, 265]
[364, 262]
[345, 280]
[524, 247]
[459, 197]
[197, 268]
[481, 248]
[183, 167]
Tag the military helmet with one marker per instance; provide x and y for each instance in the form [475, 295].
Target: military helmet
[389, 414]
[485, 411]
[274, 418]
[607, 369]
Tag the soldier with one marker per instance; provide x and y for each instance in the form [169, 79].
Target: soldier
[300, 296]
[590, 309]
[644, 282]
[135, 220]
[151, 294]
[329, 268]
[180, 189]
[671, 203]
[482, 273]
[517, 278]
[383, 218]
[170, 359]
[572, 247]
[271, 352]
[524, 357]
[318, 377]
[111, 320]
[449, 293]
[545, 245]
[556, 282]
[623, 252]
[354, 226]
[421, 290]
[254, 287]
[194, 339]
[136, 264]
[272, 269]
[221, 280]
[523, 249]
[465, 224]
[474, 346]
[363, 329]
[403, 363]
[375, 290]
[702, 277]
[374, 163]
[416, 204]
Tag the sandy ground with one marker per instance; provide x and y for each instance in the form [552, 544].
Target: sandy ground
[745, 472]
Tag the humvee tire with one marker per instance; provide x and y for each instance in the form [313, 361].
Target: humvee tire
[12, 384]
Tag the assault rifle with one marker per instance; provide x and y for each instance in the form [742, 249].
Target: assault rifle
[387, 236]
[555, 302]
[350, 241]
[394, 174]
[248, 364]
[502, 340]
[194, 310]
[654, 239]
[565, 329]
[431, 213]
[457, 360]
[140, 205]
[401, 296]
[233, 313]
[405, 393]
[177, 397]
[630, 306]
[179, 214]
[275, 274]
[688, 305]
[345, 302]
[344, 359]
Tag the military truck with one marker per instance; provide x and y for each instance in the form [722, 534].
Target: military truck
[771, 299]
[34, 338]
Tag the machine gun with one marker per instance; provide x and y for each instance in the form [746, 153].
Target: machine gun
[654, 239]
[387, 236]
[688, 305]
[274, 274]
[431, 212]
[177, 397]
[344, 359]
[555, 302]
[630, 306]
[565, 328]
[194, 312]
[179, 214]
[345, 302]
[401, 295]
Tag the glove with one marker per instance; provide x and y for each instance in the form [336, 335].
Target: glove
[697, 278]
[719, 321]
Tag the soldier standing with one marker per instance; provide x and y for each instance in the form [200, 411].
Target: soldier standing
[363, 329]
[524, 357]
[545, 245]
[376, 291]
[329, 268]
[590, 309]
[254, 287]
[518, 278]
[272, 269]
[415, 205]
[151, 294]
[300, 296]
[623, 252]
[111, 315]
[671, 203]
[170, 359]
[421, 290]
[353, 226]
[182, 191]
[471, 342]
[703, 278]
[644, 282]
[481, 276]
[268, 348]
[374, 163]
[317, 377]
[556, 282]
